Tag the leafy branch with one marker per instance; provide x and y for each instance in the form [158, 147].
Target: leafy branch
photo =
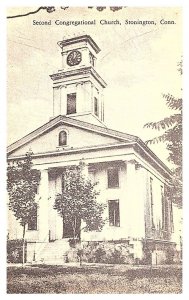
[49, 9]
[172, 137]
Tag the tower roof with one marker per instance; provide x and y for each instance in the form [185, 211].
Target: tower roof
[77, 39]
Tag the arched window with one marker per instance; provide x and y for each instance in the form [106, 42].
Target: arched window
[63, 138]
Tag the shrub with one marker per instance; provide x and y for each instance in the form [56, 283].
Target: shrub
[115, 257]
[73, 242]
[105, 252]
[170, 256]
[14, 251]
[99, 255]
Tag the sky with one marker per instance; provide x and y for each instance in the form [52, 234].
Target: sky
[138, 63]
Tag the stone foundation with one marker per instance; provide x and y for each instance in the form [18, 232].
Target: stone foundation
[130, 251]
[157, 252]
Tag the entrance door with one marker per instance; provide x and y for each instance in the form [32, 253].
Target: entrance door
[68, 230]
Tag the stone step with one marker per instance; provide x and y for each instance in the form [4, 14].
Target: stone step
[55, 248]
[63, 241]
[50, 254]
[54, 251]
[50, 261]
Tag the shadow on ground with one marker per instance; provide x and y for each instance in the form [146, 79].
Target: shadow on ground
[94, 279]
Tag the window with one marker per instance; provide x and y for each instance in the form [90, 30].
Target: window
[63, 138]
[96, 107]
[113, 178]
[71, 103]
[32, 224]
[114, 217]
[151, 202]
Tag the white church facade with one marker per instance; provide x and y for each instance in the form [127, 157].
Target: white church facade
[132, 179]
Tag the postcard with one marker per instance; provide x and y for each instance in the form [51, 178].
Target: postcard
[94, 176]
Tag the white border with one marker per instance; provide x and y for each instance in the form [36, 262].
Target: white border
[3, 129]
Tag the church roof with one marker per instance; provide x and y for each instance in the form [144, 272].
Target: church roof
[74, 122]
[123, 138]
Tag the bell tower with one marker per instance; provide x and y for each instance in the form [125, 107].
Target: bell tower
[77, 87]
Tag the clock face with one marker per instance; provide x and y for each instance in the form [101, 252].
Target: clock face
[74, 58]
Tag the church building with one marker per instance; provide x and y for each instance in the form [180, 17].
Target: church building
[132, 179]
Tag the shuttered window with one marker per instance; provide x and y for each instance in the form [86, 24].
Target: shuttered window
[113, 178]
[71, 103]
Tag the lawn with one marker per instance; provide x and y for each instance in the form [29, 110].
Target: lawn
[93, 279]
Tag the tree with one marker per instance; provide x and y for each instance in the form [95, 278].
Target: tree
[22, 183]
[172, 136]
[49, 9]
[77, 203]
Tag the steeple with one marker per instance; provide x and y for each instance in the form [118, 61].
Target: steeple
[77, 87]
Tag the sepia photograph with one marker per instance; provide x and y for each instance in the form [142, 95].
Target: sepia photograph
[94, 150]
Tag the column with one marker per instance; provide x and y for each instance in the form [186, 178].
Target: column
[43, 225]
[85, 173]
[58, 218]
[52, 211]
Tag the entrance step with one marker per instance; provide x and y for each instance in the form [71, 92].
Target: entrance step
[54, 252]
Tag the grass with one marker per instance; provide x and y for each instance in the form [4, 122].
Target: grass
[93, 279]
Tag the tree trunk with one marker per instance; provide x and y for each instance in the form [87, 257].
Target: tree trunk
[62, 227]
[23, 246]
[62, 224]
[74, 229]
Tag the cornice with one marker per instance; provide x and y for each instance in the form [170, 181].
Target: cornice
[82, 71]
[67, 151]
[78, 39]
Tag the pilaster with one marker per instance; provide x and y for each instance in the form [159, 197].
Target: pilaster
[64, 56]
[92, 98]
[85, 56]
[63, 96]
[142, 207]
[131, 197]
[79, 98]
[102, 106]
[85, 170]
[87, 96]
[56, 101]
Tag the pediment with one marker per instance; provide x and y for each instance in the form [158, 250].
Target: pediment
[79, 135]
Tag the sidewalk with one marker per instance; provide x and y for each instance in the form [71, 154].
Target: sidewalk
[97, 265]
